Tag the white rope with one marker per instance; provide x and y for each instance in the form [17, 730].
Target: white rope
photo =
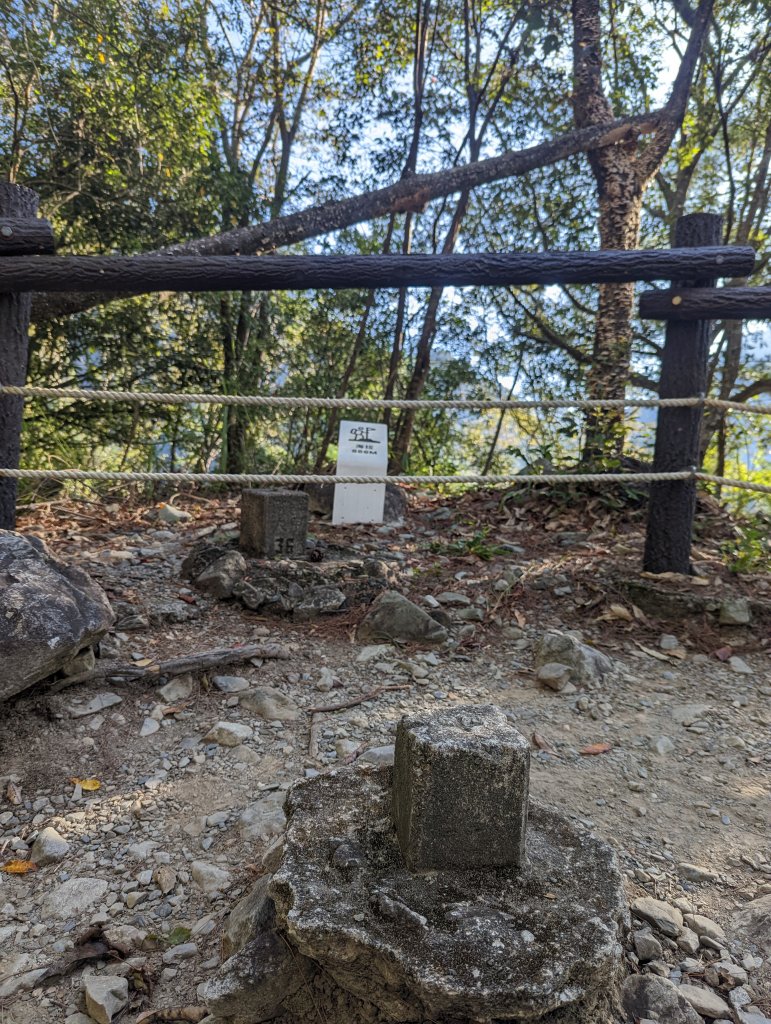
[286, 402]
[745, 485]
[291, 479]
[287, 479]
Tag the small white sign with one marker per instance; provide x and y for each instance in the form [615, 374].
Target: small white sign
[362, 451]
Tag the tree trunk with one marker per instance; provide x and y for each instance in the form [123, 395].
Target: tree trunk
[621, 173]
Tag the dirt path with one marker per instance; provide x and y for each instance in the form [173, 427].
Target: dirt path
[176, 831]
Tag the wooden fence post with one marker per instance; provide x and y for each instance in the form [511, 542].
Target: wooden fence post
[672, 504]
[18, 206]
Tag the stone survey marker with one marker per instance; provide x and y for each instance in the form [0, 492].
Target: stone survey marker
[274, 523]
[362, 450]
[460, 790]
[367, 940]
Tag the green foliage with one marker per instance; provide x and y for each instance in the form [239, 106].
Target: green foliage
[144, 123]
[478, 544]
[749, 551]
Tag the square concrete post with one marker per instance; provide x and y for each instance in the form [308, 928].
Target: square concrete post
[460, 791]
[274, 523]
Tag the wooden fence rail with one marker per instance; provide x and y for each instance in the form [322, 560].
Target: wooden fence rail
[134, 274]
[692, 266]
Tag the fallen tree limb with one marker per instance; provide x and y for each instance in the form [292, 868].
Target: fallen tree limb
[200, 662]
[411, 193]
[360, 700]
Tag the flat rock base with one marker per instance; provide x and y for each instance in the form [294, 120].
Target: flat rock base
[539, 943]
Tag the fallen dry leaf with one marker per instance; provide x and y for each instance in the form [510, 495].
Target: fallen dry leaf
[87, 785]
[658, 655]
[13, 793]
[596, 748]
[618, 611]
[18, 867]
[639, 614]
[679, 653]
[174, 709]
[542, 744]
[521, 620]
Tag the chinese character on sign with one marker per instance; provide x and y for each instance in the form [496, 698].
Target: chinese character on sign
[362, 434]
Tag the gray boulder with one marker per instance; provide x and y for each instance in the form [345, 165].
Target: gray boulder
[586, 664]
[49, 612]
[394, 617]
[251, 915]
[252, 983]
[753, 922]
[646, 997]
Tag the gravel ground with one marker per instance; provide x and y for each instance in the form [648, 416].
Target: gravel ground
[154, 858]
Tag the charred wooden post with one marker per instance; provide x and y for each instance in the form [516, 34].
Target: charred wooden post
[683, 375]
[139, 274]
[707, 304]
[21, 234]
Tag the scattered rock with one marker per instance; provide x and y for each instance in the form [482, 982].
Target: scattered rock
[178, 689]
[665, 918]
[263, 819]
[149, 727]
[705, 1001]
[753, 922]
[106, 995]
[49, 612]
[394, 617]
[228, 734]
[209, 877]
[554, 675]
[270, 704]
[647, 946]
[735, 611]
[230, 684]
[74, 897]
[49, 847]
[647, 997]
[252, 914]
[695, 873]
[97, 703]
[587, 664]
[705, 928]
[220, 577]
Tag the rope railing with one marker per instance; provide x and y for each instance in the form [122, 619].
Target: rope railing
[297, 479]
[363, 404]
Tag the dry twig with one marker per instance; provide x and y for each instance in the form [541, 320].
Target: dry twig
[360, 700]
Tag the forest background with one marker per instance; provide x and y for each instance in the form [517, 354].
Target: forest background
[278, 125]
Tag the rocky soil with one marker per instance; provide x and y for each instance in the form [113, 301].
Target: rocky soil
[664, 751]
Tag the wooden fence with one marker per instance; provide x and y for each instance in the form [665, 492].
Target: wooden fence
[688, 306]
